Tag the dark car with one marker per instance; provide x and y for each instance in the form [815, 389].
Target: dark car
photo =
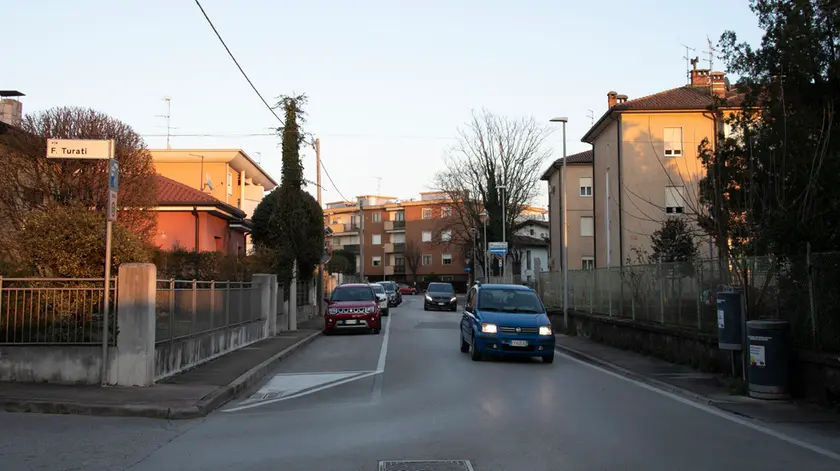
[506, 320]
[440, 296]
[352, 307]
[394, 295]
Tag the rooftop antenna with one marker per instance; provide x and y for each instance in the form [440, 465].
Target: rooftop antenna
[378, 185]
[259, 157]
[167, 116]
[688, 62]
[711, 53]
[591, 117]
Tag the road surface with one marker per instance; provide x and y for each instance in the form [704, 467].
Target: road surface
[345, 403]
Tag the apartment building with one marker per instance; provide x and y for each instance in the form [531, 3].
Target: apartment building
[580, 213]
[645, 162]
[397, 235]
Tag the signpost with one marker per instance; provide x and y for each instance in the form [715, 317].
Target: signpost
[96, 149]
[498, 250]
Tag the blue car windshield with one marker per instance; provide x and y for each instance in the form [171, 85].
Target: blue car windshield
[509, 300]
[354, 293]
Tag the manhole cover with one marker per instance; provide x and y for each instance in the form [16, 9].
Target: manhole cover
[425, 465]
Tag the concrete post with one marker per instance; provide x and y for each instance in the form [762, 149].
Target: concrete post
[282, 309]
[293, 300]
[272, 325]
[135, 359]
[266, 310]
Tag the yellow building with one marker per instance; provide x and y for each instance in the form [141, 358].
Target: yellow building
[645, 162]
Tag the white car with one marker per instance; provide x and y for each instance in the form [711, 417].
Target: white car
[382, 297]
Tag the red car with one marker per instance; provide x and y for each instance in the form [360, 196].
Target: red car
[352, 307]
[405, 289]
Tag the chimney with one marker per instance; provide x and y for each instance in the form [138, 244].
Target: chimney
[700, 78]
[611, 99]
[11, 109]
[718, 84]
[621, 99]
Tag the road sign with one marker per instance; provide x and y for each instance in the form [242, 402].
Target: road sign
[327, 256]
[467, 269]
[499, 257]
[80, 149]
[114, 175]
[112, 205]
[498, 248]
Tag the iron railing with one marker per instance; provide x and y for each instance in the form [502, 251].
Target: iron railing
[66, 311]
[186, 308]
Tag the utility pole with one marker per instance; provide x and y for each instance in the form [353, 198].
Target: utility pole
[362, 238]
[318, 167]
[504, 227]
[320, 285]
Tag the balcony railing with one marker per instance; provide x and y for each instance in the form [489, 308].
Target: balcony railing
[394, 225]
[394, 269]
[344, 227]
[395, 248]
[352, 248]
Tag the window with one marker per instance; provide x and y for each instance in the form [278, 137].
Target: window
[448, 278]
[587, 226]
[399, 215]
[427, 236]
[527, 259]
[230, 183]
[376, 239]
[446, 235]
[377, 217]
[399, 261]
[674, 200]
[673, 141]
[427, 259]
[376, 261]
[427, 213]
[586, 186]
[587, 263]
[532, 231]
[446, 212]
[446, 259]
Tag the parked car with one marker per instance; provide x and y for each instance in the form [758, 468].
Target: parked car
[352, 307]
[506, 320]
[440, 296]
[405, 289]
[382, 296]
[394, 295]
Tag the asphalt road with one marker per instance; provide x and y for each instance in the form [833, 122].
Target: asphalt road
[346, 402]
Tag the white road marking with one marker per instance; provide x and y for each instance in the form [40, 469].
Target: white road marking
[714, 411]
[380, 368]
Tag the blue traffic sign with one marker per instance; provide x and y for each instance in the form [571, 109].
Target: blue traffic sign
[467, 269]
[114, 175]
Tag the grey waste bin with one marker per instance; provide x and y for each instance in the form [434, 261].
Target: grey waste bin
[769, 349]
[730, 334]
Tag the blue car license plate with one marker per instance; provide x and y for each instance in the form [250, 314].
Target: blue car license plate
[518, 343]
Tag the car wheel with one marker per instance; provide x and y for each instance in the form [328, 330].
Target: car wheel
[386, 312]
[327, 332]
[454, 308]
[425, 308]
[465, 347]
[548, 358]
[375, 331]
[475, 354]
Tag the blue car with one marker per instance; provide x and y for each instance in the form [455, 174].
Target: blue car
[506, 320]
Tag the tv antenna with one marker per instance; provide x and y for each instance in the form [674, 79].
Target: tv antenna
[259, 157]
[378, 185]
[711, 53]
[167, 116]
[591, 117]
[688, 62]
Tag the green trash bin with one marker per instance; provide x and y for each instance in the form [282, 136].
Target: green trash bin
[769, 349]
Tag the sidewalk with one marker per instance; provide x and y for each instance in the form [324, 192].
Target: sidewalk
[191, 394]
[705, 388]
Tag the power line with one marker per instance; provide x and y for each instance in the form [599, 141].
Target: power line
[261, 134]
[253, 87]
[236, 61]
[333, 183]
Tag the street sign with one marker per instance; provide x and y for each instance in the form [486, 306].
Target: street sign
[112, 205]
[114, 175]
[468, 269]
[498, 248]
[80, 149]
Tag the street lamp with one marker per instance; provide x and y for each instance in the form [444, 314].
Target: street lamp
[565, 255]
[484, 216]
[504, 222]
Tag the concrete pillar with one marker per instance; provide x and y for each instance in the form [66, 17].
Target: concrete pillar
[272, 325]
[135, 360]
[293, 300]
[266, 310]
[282, 309]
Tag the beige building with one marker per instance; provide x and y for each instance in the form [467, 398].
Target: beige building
[646, 165]
[579, 197]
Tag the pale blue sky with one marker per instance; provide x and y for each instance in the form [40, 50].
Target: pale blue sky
[389, 81]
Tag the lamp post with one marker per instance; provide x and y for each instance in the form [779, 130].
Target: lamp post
[484, 218]
[502, 188]
[474, 234]
[565, 260]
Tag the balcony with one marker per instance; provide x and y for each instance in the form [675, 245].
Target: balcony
[394, 225]
[395, 270]
[395, 248]
[352, 248]
[341, 228]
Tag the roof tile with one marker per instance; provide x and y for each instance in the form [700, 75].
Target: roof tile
[171, 192]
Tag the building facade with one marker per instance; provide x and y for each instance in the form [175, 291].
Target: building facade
[579, 197]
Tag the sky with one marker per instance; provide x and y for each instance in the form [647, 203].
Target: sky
[389, 82]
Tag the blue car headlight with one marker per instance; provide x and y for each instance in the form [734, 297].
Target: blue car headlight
[545, 330]
[489, 328]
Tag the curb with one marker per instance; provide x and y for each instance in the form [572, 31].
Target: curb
[204, 406]
[667, 387]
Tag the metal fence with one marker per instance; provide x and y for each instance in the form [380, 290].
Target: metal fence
[801, 291]
[187, 308]
[55, 311]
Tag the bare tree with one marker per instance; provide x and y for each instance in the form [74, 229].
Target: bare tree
[491, 151]
[412, 257]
